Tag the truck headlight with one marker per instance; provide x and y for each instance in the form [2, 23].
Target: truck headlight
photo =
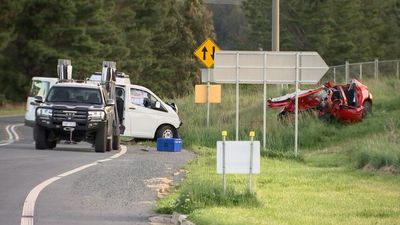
[43, 112]
[96, 115]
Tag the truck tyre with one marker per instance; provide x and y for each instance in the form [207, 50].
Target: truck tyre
[40, 138]
[109, 144]
[101, 140]
[166, 131]
[116, 142]
[52, 144]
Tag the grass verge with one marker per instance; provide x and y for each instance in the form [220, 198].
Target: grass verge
[346, 174]
[13, 109]
[286, 192]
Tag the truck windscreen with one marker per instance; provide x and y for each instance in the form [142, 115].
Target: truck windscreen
[74, 95]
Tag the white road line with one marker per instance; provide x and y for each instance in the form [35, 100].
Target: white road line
[12, 134]
[16, 136]
[28, 210]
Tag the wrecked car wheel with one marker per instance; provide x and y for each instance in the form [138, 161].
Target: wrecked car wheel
[367, 108]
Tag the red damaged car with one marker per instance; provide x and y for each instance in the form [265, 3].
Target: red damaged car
[347, 103]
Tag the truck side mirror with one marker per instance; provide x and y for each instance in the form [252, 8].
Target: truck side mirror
[110, 102]
[38, 99]
[158, 105]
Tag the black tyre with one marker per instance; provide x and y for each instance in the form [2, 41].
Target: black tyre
[166, 131]
[367, 108]
[40, 137]
[101, 140]
[116, 142]
[109, 144]
[52, 144]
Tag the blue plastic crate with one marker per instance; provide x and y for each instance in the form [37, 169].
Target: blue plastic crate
[169, 144]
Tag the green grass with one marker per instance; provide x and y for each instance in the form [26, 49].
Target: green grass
[286, 192]
[346, 174]
[313, 133]
[14, 109]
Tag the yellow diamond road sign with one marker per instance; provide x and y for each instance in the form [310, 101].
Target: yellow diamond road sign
[206, 52]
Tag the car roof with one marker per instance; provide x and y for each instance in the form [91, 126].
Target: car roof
[78, 85]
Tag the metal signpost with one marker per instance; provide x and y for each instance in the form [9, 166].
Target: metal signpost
[205, 53]
[264, 67]
[238, 157]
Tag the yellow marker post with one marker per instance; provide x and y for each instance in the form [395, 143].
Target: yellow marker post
[252, 135]
[224, 135]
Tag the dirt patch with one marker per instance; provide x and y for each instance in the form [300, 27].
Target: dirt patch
[392, 170]
[369, 168]
[387, 170]
[162, 185]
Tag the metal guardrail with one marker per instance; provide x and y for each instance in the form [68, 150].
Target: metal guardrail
[363, 70]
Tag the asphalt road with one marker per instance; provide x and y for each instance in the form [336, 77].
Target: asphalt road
[118, 191]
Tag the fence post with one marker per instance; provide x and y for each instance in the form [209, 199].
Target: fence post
[397, 70]
[376, 69]
[346, 71]
[361, 71]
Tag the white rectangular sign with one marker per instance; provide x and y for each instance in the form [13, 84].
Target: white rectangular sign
[204, 75]
[237, 157]
[255, 67]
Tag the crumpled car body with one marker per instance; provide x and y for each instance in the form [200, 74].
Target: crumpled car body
[347, 102]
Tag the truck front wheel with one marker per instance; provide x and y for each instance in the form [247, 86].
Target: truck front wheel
[101, 140]
[40, 137]
[116, 142]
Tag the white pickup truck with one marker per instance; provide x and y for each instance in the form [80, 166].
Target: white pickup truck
[142, 113]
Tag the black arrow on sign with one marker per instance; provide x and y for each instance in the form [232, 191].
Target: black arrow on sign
[204, 50]
[212, 55]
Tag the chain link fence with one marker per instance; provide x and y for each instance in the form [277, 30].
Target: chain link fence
[363, 70]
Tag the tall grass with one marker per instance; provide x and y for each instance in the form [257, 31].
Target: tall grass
[287, 191]
[313, 133]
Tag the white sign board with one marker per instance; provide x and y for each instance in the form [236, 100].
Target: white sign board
[237, 157]
[255, 67]
[204, 75]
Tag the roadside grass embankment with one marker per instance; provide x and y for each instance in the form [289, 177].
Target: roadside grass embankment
[12, 109]
[346, 174]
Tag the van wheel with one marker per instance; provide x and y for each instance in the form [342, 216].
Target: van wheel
[101, 140]
[166, 131]
[116, 142]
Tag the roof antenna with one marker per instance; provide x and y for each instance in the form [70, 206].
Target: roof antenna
[64, 69]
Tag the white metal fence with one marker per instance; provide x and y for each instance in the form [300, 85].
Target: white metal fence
[362, 70]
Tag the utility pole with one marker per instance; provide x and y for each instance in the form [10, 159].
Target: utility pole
[275, 25]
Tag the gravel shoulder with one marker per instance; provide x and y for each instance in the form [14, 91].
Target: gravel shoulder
[121, 191]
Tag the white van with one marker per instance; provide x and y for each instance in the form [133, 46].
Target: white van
[40, 87]
[142, 113]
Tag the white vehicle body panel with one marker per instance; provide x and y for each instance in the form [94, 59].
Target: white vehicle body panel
[143, 122]
[40, 87]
